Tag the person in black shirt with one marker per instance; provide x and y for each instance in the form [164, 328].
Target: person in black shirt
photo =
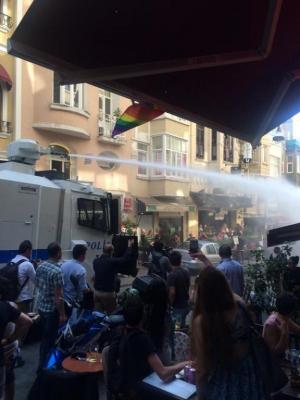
[9, 313]
[159, 260]
[106, 268]
[139, 357]
[179, 285]
[292, 277]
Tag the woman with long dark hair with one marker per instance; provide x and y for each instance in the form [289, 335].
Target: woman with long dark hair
[158, 323]
[220, 340]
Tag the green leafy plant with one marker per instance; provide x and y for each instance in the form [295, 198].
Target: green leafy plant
[117, 113]
[263, 278]
[130, 227]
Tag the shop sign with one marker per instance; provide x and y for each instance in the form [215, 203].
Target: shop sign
[127, 205]
[151, 208]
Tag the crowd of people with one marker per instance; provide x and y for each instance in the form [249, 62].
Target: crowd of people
[211, 311]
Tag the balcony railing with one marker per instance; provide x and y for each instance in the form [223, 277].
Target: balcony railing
[106, 126]
[5, 127]
[5, 21]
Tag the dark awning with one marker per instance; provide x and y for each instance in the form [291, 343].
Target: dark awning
[206, 201]
[233, 65]
[151, 204]
[5, 78]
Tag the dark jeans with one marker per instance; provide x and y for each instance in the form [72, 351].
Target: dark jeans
[49, 325]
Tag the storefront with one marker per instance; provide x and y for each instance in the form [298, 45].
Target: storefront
[219, 214]
[170, 219]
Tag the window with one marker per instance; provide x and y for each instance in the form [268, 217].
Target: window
[274, 166]
[60, 160]
[68, 95]
[142, 156]
[214, 138]
[5, 20]
[108, 164]
[290, 166]
[170, 150]
[264, 154]
[200, 141]
[106, 118]
[5, 126]
[228, 148]
[255, 154]
[157, 153]
[210, 249]
[91, 213]
[105, 105]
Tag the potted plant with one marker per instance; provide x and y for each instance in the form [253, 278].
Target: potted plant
[263, 279]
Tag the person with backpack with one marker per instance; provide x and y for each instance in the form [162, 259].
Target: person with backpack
[19, 275]
[132, 356]
[26, 276]
[160, 262]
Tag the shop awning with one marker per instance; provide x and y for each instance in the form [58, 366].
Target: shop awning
[206, 201]
[151, 204]
[5, 78]
[232, 65]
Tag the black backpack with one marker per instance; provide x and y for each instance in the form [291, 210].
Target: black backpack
[10, 277]
[120, 369]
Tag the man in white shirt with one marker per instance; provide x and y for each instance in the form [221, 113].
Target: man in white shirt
[26, 275]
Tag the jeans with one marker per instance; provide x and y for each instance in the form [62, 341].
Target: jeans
[49, 324]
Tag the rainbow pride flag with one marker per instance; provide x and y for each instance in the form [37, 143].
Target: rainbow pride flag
[135, 115]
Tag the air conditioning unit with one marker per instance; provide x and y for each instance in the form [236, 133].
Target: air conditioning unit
[100, 131]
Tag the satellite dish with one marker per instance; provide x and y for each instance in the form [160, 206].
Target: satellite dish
[278, 136]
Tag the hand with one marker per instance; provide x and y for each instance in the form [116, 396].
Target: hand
[198, 255]
[130, 242]
[190, 363]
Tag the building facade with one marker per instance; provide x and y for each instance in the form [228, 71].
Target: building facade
[74, 122]
[292, 161]
[8, 19]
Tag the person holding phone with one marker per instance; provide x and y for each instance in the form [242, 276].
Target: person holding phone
[196, 253]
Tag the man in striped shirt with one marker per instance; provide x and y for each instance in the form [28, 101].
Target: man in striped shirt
[49, 283]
